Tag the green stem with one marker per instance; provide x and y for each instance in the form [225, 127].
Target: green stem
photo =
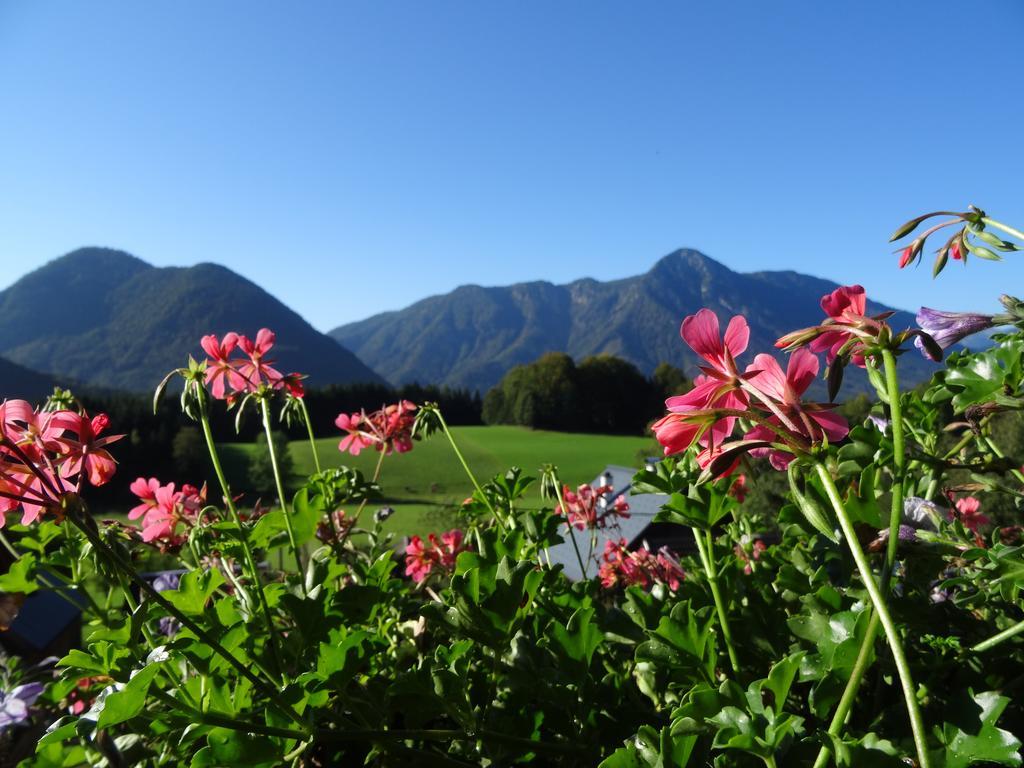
[309, 431]
[469, 472]
[116, 560]
[769, 761]
[998, 452]
[243, 536]
[572, 533]
[995, 640]
[888, 625]
[1008, 230]
[706, 550]
[899, 449]
[860, 666]
[265, 410]
[362, 505]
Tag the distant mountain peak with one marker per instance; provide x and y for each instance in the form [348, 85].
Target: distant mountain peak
[116, 322]
[466, 340]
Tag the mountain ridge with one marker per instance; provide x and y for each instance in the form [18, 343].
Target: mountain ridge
[472, 335]
[106, 318]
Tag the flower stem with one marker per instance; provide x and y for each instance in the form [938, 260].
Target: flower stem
[469, 472]
[309, 431]
[265, 410]
[572, 533]
[1008, 230]
[126, 568]
[243, 536]
[860, 666]
[899, 450]
[995, 640]
[888, 625]
[706, 549]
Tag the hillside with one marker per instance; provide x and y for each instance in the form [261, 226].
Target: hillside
[108, 319]
[473, 335]
[17, 382]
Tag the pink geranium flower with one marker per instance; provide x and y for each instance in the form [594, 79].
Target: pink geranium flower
[588, 507]
[969, 514]
[718, 387]
[845, 306]
[86, 454]
[387, 429]
[811, 422]
[423, 558]
[221, 371]
[257, 368]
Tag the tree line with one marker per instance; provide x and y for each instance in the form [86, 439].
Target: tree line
[603, 394]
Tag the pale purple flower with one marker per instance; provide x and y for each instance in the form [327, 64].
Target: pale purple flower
[14, 706]
[948, 328]
[167, 581]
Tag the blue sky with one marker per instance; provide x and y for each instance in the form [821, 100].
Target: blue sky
[354, 157]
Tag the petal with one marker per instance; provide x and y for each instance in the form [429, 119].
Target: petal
[210, 346]
[768, 377]
[701, 333]
[737, 335]
[803, 368]
[832, 424]
[264, 340]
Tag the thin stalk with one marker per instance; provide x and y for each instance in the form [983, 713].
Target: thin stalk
[265, 409]
[469, 472]
[899, 449]
[995, 640]
[572, 534]
[998, 452]
[706, 549]
[243, 536]
[309, 431]
[892, 391]
[888, 625]
[860, 666]
[362, 505]
[1008, 230]
[115, 559]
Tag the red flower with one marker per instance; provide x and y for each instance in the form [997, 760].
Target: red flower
[845, 307]
[969, 515]
[388, 429]
[220, 370]
[640, 567]
[589, 507]
[717, 388]
[256, 368]
[433, 556]
[812, 422]
[87, 452]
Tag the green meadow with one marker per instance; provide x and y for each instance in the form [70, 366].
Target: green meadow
[425, 485]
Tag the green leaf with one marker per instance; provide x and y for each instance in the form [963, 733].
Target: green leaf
[195, 589]
[972, 736]
[21, 576]
[125, 704]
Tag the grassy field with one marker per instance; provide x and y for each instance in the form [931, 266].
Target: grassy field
[425, 485]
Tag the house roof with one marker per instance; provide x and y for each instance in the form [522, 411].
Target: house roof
[634, 529]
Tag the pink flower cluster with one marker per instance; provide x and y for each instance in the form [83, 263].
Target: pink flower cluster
[434, 555]
[228, 376]
[335, 529]
[639, 567]
[162, 508]
[589, 508]
[387, 429]
[761, 392]
[44, 455]
[748, 558]
[968, 512]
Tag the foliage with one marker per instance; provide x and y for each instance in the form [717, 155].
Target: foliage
[602, 394]
[880, 622]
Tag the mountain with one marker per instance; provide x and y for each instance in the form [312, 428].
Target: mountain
[473, 335]
[20, 383]
[108, 319]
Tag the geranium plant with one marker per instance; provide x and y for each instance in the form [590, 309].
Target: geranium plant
[872, 615]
